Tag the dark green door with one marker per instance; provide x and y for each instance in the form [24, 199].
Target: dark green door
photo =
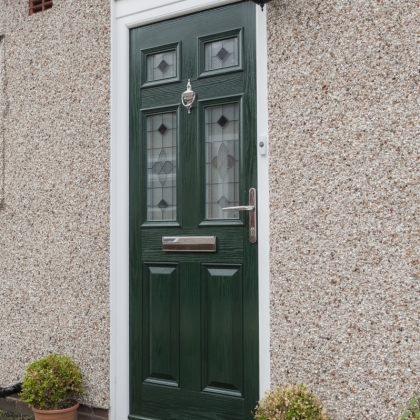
[193, 315]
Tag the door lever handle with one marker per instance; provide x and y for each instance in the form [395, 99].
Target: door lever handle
[239, 208]
[252, 209]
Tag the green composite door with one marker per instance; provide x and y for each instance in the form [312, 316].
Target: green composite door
[193, 309]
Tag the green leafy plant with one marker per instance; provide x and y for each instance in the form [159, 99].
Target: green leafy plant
[412, 410]
[49, 382]
[291, 402]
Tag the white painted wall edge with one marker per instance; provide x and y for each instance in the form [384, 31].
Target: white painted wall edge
[119, 272]
[129, 7]
[119, 244]
[263, 203]
[159, 9]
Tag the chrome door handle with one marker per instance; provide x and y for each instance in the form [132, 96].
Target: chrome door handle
[239, 208]
[252, 208]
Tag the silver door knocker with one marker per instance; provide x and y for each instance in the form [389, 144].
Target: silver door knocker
[188, 97]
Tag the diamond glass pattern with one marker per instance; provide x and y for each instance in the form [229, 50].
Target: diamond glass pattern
[162, 168]
[162, 129]
[222, 121]
[162, 204]
[222, 160]
[161, 66]
[223, 202]
[221, 54]
[161, 173]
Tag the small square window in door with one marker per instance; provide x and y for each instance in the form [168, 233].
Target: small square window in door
[162, 66]
[221, 54]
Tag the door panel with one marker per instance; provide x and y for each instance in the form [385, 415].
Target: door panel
[180, 404]
[161, 324]
[193, 315]
[222, 329]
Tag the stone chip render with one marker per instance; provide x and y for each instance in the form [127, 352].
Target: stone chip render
[344, 184]
[54, 221]
[2, 114]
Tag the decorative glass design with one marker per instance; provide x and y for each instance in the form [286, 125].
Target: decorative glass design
[161, 66]
[161, 171]
[221, 54]
[222, 160]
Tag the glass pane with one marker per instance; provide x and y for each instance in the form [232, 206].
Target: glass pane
[161, 66]
[222, 160]
[221, 54]
[161, 166]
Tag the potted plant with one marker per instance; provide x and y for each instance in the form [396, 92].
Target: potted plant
[49, 385]
[412, 410]
[292, 402]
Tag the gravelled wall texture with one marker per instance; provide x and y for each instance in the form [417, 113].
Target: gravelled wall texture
[344, 180]
[2, 114]
[54, 222]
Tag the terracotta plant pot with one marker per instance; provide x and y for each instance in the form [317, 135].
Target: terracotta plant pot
[64, 414]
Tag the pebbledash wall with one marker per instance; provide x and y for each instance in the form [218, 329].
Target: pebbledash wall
[2, 113]
[54, 216]
[344, 110]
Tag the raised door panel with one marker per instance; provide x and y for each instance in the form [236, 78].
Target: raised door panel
[161, 324]
[180, 404]
[222, 330]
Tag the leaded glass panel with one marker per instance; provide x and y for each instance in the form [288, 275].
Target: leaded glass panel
[221, 54]
[161, 66]
[161, 167]
[222, 160]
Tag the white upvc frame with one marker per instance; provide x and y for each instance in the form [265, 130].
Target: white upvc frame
[127, 14]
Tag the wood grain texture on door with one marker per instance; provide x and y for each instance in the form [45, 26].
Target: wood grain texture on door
[193, 315]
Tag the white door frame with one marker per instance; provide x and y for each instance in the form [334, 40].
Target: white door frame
[127, 14]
